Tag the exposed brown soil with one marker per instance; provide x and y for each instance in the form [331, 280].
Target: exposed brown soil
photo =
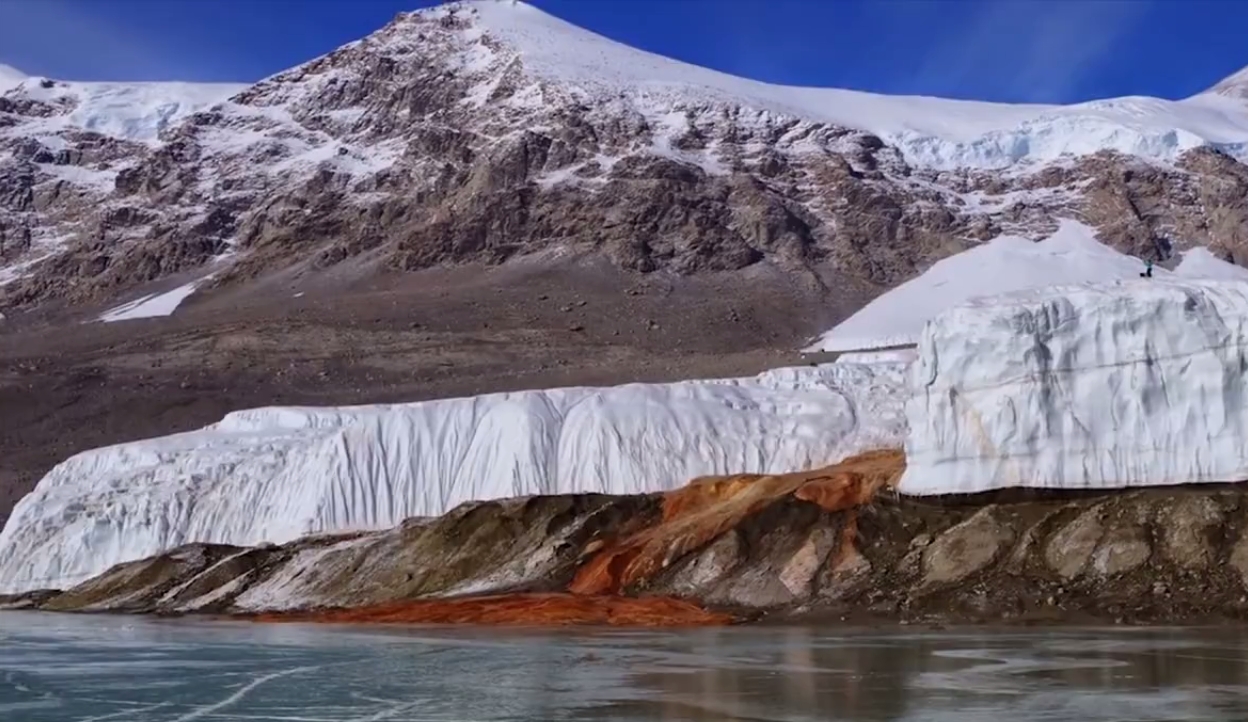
[548, 610]
[69, 387]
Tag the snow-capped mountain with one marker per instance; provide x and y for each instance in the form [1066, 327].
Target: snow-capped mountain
[480, 131]
[62, 145]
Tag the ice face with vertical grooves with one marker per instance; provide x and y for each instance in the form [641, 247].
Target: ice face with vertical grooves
[1122, 384]
[276, 474]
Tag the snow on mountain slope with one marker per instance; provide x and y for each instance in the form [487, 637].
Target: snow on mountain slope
[1005, 264]
[278, 473]
[523, 71]
[1069, 256]
[10, 76]
[63, 146]
[930, 132]
[402, 146]
[1201, 263]
[130, 111]
[1120, 384]
[1234, 85]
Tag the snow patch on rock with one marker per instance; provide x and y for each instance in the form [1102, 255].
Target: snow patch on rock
[153, 305]
[133, 111]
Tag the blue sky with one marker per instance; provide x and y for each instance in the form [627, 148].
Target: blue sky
[1006, 50]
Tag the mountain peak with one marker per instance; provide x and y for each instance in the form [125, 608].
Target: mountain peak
[468, 103]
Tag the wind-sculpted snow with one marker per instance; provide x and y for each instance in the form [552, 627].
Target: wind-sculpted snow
[274, 474]
[1201, 263]
[1130, 383]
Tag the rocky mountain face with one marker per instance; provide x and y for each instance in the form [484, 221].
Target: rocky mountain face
[834, 542]
[440, 139]
[62, 148]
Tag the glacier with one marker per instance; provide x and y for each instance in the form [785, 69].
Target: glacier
[1071, 255]
[1200, 262]
[1114, 385]
[276, 474]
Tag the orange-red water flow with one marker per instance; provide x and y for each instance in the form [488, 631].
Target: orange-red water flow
[692, 517]
[520, 610]
[698, 513]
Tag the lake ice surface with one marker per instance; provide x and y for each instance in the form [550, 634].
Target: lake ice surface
[63, 668]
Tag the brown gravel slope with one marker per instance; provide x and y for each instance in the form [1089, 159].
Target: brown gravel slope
[69, 386]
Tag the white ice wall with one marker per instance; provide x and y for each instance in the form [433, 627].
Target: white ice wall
[275, 474]
[1127, 383]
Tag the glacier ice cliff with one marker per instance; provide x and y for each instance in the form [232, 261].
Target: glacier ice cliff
[1121, 384]
[804, 547]
[275, 474]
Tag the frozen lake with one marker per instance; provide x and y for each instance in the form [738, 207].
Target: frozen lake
[93, 668]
